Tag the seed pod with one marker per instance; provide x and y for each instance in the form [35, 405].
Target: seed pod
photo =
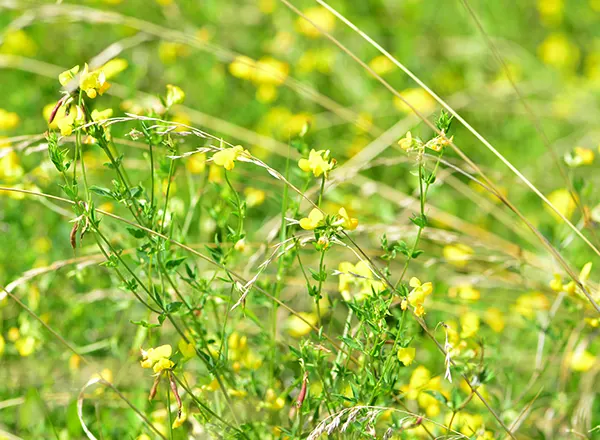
[174, 389]
[55, 110]
[303, 390]
[73, 235]
[154, 388]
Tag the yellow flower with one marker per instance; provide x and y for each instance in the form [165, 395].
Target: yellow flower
[98, 115]
[174, 95]
[266, 93]
[74, 362]
[312, 221]
[457, 254]
[17, 42]
[465, 291]
[93, 83]
[469, 323]
[227, 157]
[381, 65]
[186, 349]
[8, 120]
[318, 163]
[582, 360]
[320, 17]
[556, 284]
[418, 98]
[417, 295]
[196, 163]
[408, 143]
[25, 346]
[157, 358]
[13, 334]
[495, 319]
[2, 345]
[180, 420]
[113, 67]
[349, 222]
[563, 202]
[406, 355]
[559, 52]
[297, 328]
[65, 77]
[66, 124]
[273, 401]
[528, 304]
[269, 71]
[254, 197]
[585, 155]
[242, 67]
[10, 166]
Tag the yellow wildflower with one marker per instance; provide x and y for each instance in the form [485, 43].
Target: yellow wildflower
[465, 291]
[406, 355]
[13, 334]
[17, 42]
[582, 360]
[65, 77]
[196, 163]
[98, 115]
[563, 202]
[25, 346]
[417, 295]
[93, 83]
[266, 93]
[113, 67]
[528, 304]
[312, 221]
[381, 65]
[242, 67]
[457, 254]
[556, 284]
[174, 95]
[269, 71]
[418, 98]
[297, 328]
[348, 222]
[495, 319]
[74, 362]
[180, 420]
[254, 197]
[318, 163]
[469, 323]
[585, 155]
[559, 52]
[8, 120]
[157, 358]
[321, 18]
[2, 345]
[10, 166]
[227, 157]
[66, 124]
[188, 350]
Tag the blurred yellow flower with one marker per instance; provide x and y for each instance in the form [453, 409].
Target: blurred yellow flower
[297, 328]
[113, 67]
[25, 346]
[406, 355]
[215, 173]
[13, 334]
[101, 115]
[469, 323]
[458, 254]
[226, 158]
[187, 349]
[312, 221]
[267, 6]
[157, 358]
[8, 120]
[495, 319]
[585, 155]
[530, 303]
[17, 42]
[242, 67]
[563, 202]
[168, 52]
[464, 291]
[269, 71]
[10, 166]
[349, 223]
[254, 197]
[196, 163]
[418, 98]
[266, 93]
[559, 52]
[320, 17]
[582, 360]
[318, 163]
[2, 345]
[551, 11]
[74, 362]
[381, 65]
[174, 95]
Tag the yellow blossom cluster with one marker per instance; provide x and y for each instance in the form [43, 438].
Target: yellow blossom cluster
[241, 354]
[416, 297]
[226, 157]
[157, 358]
[357, 280]
[318, 163]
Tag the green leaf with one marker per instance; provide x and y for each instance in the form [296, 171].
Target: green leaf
[174, 263]
[174, 307]
[137, 233]
[105, 192]
[145, 323]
